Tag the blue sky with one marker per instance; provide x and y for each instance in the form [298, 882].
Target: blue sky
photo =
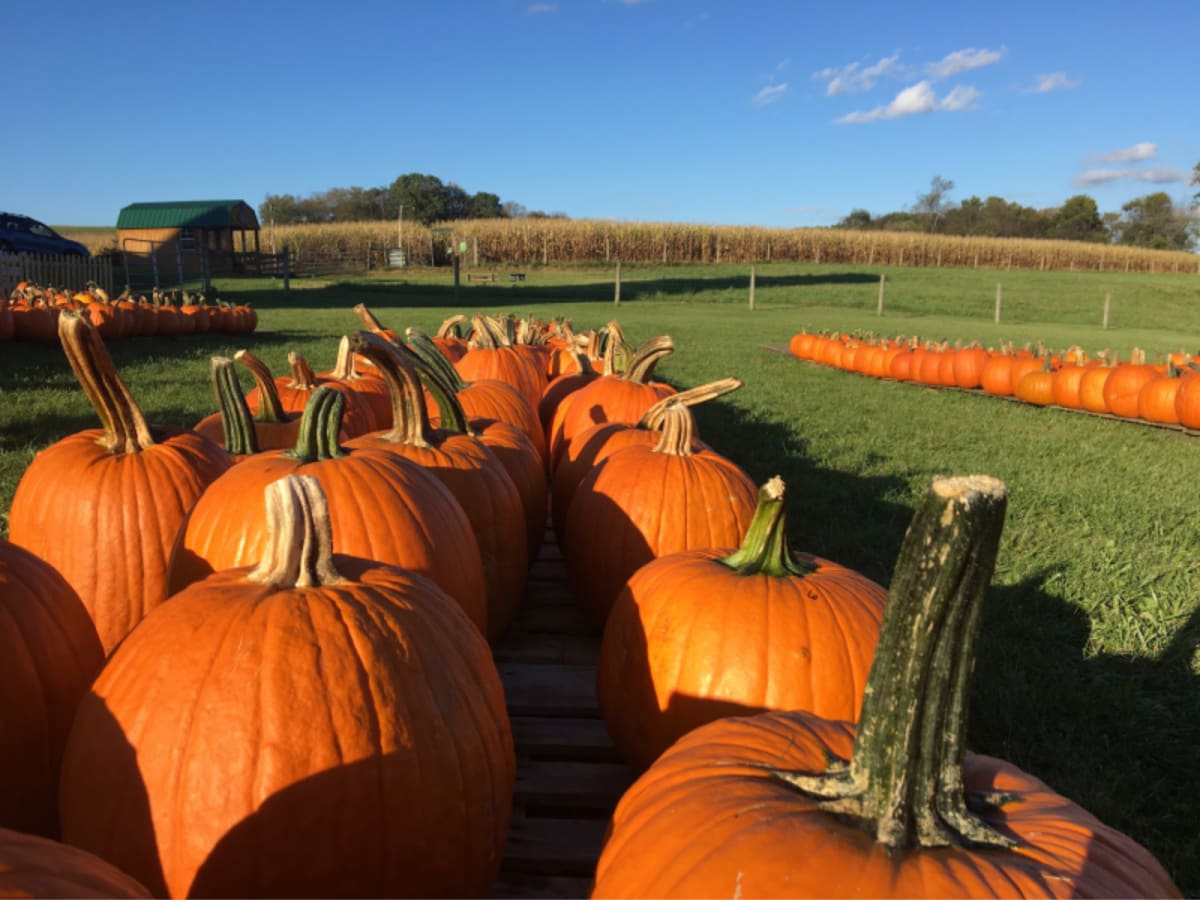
[777, 113]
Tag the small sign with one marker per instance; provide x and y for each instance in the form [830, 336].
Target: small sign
[462, 246]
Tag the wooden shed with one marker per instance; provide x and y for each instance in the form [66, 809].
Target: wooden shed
[209, 233]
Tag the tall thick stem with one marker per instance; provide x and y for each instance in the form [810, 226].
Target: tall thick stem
[904, 782]
[237, 425]
[320, 426]
[270, 406]
[299, 549]
[641, 367]
[652, 418]
[678, 431]
[125, 427]
[410, 418]
[765, 550]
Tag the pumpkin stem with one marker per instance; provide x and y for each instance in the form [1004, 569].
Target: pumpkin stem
[343, 368]
[368, 318]
[450, 327]
[237, 425]
[125, 427]
[410, 418]
[641, 367]
[484, 336]
[652, 418]
[765, 550]
[320, 426]
[270, 407]
[424, 347]
[303, 377]
[299, 551]
[904, 782]
[678, 430]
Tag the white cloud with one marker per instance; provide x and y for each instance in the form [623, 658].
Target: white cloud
[851, 79]
[770, 94]
[1155, 175]
[535, 9]
[1139, 152]
[963, 61]
[916, 100]
[1054, 81]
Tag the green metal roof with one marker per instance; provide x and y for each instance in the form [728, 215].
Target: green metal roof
[192, 213]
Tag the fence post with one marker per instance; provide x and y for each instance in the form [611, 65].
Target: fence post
[752, 287]
[475, 251]
[998, 291]
[368, 254]
[1107, 302]
[287, 275]
[879, 307]
[617, 288]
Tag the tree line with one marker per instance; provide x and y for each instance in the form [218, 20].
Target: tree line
[415, 197]
[1154, 221]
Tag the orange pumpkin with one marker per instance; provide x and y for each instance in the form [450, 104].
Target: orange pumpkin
[323, 725]
[688, 640]
[103, 506]
[788, 804]
[32, 866]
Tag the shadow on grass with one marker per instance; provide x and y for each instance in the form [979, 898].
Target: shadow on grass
[1116, 734]
[421, 294]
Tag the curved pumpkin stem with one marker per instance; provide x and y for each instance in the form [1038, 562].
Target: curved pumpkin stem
[678, 430]
[765, 550]
[237, 425]
[484, 335]
[303, 376]
[299, 550]
[652, 418]
[450, 328]
[370, 322]
[410, 418]
[320, 426]
[423, 346]
[641, 367]
[270, 407]
[125, 427]
[904, 782]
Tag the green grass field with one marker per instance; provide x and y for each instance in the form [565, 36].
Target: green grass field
[1089, 674]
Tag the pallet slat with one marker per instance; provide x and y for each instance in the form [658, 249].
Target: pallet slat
[580, 787]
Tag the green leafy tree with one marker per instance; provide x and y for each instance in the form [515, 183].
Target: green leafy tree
[486, 206]
[1196, 181]
[422, 196]
[1153, 221]
[858, 219]
[1078, 220]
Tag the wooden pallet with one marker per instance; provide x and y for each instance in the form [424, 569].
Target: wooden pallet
[569, 774]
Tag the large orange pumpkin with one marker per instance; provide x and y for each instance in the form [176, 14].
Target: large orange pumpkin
[384, 508]
[643, 502]
[49, 654]
[103, 506]
[787, 804]
[319, 725]
[704, 634]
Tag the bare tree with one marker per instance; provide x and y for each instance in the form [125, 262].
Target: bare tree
[933, 204]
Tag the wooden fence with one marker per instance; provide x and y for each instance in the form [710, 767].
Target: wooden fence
[71, 273]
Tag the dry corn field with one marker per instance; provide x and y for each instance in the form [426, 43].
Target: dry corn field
[557, 241]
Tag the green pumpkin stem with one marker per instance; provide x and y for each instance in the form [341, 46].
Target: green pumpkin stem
[641, 368]
[125, 427]
[424, 347]
[299, 549]
[652, 418]
[904, 781]
[765, 550]
[237, 424]
[270, 406]
[320, 426]
[410, 418]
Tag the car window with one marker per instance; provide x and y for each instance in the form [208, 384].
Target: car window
[42, 230]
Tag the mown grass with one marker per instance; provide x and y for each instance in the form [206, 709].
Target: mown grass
[1089, 675]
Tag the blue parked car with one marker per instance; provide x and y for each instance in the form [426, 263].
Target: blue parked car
[21, 234]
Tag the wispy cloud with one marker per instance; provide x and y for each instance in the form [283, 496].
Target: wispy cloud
[1139, 152]
[1154, 175]
[963, 61]
[769, 94]
[537, 9]
[853, 79]
[1053, 81]
[916, 100]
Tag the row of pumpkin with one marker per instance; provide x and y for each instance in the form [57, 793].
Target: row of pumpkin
[316, 711]
[30, 313]
[1166, 392]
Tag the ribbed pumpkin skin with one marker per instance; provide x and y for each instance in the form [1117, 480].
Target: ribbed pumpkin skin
[1064, 389]
[507, 365]
[996, 376]
[49, 654]
[37, 867]
[492, 399]
[381, 507]
[107, 521]
[1187, 401]
[1123, 386]
[710, 820]
[968, 366]
[1091, 388]
[1036, 387]
[689, 640]
[607, 399]
[333, 741]
[639, 504]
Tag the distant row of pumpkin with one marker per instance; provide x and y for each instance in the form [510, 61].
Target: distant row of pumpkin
[30, 313]
[1166, 392]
